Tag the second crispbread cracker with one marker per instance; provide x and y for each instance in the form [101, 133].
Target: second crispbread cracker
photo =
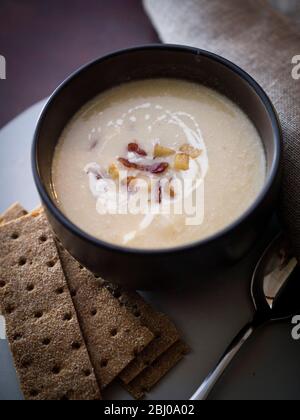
[42, 327]
[14, 212]
[166, 334]
[139, 387]
[113, 334]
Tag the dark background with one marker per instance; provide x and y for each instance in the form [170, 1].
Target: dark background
[43, 41]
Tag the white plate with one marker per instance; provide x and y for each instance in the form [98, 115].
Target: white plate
[209, 315]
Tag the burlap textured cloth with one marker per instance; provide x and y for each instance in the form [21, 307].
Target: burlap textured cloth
[260, 40]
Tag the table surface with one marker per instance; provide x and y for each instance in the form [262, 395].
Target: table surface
[52, 46]
[42, 47]
[209, 315]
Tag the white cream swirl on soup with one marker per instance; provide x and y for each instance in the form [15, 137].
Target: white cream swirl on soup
[106, 186]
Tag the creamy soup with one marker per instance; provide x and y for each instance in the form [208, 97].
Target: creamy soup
[157, 164]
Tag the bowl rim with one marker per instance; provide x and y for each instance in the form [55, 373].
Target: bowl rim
[273, 173]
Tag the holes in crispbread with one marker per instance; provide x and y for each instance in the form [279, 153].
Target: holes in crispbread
[117, 294]
[43, 238]
[87, 373]
[101, 283]
[59, 291]
[76, 345]
[104, 363]
[114, 332]
[26, 362]
[30, 287]
[17, 337]
[2, 284]
[155, 363]
[33, 393]
[67, 396]
[68, 316]
[22, 261]
[94, 312]
[38, 314]
[50, 264]
[56, 370]
[122, 300]
[9, 309]
[14, 236]
[137, 313]
[46, 341]
[73, 292]
[109, 288]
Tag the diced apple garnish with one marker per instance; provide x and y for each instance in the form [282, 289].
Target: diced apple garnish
[114, 171]
[130, 182]
[172, 191]
[130, 179]
[182, 162]
[191, 151]
[156, 168]
[160, 151]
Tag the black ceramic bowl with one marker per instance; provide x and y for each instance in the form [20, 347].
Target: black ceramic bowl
[136, 268]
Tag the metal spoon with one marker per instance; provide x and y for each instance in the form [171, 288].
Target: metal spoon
[271, 290]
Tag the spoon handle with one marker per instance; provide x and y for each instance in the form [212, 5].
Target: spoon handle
[207, 386]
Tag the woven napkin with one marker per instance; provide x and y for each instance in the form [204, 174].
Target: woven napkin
[263, 42]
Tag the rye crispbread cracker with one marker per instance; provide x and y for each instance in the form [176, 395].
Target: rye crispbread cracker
[139, 387]
[14, 212]
[42, 327]
[164, 330]
[114, 336]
